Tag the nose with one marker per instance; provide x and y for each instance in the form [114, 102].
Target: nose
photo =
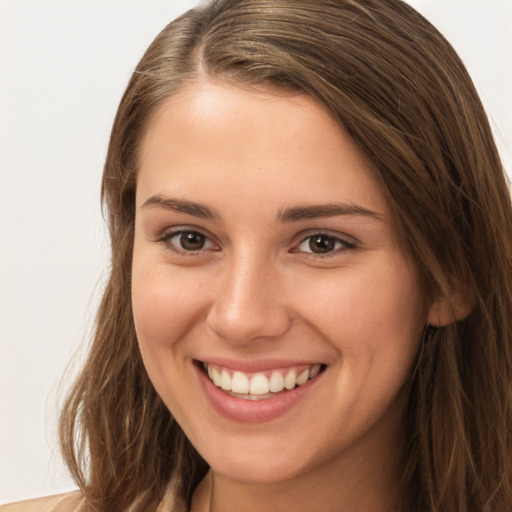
[249, 302]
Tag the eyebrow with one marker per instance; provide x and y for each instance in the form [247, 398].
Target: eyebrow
[294, 214]
[181, 206]
[325, 210]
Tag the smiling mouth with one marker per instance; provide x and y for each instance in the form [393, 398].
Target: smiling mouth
[260, 385]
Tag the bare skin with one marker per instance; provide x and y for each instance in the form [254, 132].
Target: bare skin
[263, 241]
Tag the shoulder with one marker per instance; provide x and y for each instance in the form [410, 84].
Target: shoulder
[74, 502]
[68, 502]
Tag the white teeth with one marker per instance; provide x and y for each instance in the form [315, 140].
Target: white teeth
[303, 378]
[259, 385]
[225, 381]
[290, 380]
[315, 371]
[240, 383]
[216, 377]
[276, 382]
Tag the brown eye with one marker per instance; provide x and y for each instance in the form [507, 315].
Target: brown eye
[320, 244]
[188, 241]
[192, 241]
[323, 244]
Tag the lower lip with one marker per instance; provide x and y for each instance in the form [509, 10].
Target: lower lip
[253, 411]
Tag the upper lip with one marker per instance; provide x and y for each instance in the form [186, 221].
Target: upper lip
[260, 365]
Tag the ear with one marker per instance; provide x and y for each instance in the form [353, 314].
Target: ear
[448, 308]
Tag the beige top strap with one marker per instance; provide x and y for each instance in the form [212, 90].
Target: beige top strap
[69, 502]
[73, 502]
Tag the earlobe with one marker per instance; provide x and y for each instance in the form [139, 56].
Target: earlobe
[449, 308]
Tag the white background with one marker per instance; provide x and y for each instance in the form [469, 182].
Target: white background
[63, 67]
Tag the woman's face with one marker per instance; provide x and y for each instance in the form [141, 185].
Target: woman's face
[276, 315]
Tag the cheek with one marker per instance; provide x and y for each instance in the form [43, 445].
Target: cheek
[375, 323]
[166, 304]
[370, 312]
[165, 310]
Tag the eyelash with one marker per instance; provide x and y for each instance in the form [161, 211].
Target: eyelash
[167, 238]
[339, 244]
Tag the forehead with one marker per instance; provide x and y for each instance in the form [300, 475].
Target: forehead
[241, 141]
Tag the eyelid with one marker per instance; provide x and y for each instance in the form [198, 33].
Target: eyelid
[168, 234]
[348, 242]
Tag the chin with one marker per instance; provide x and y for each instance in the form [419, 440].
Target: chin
[256, 459]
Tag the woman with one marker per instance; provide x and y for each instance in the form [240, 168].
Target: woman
[309, 304]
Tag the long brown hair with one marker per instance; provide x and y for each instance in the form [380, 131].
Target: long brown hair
[400, 90]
